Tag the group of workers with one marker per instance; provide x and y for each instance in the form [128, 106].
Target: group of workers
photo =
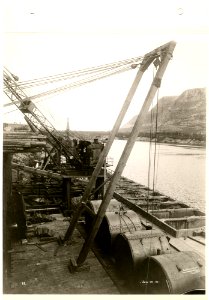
[89, 152]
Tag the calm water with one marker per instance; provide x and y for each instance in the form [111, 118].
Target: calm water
[180, 170]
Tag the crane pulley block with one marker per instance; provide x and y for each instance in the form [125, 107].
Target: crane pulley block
[27, 106]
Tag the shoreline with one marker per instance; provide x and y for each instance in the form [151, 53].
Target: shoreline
[176, 142]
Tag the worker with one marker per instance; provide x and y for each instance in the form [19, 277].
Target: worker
[96, 149]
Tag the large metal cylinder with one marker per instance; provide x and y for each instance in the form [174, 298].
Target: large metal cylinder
[114, 206]
[114, 223]
[116, 220]
[175, 273]
[131, 249]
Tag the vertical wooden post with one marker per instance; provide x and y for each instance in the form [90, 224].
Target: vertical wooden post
[7, 208]
[125, 155]
[67, 191]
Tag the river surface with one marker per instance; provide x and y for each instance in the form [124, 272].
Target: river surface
[179, 170]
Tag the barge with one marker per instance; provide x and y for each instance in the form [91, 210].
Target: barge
[136, 250]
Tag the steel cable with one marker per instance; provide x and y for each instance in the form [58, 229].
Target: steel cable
[74, 84]
[81, 82]
[65, 76]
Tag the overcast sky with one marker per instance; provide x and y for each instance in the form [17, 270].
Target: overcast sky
[44, 38]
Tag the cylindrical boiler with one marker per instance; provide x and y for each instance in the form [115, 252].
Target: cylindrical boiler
[114, 223]
[131, 249]
[175, 273]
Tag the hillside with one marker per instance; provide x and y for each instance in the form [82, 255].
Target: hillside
[184, 115]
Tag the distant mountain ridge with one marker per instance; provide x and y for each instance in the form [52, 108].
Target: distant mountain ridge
[184, 114]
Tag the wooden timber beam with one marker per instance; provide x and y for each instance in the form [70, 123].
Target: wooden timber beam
[25, 141]
[70, 173]
[23, 134]
[37, 171]
[165, 58]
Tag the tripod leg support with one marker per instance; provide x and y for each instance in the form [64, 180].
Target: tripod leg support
[74, 267]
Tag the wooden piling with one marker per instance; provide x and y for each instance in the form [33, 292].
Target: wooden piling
[7, 214]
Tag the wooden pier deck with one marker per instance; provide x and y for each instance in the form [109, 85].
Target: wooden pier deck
[35, 269]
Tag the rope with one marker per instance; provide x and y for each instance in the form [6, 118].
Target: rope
[158, 148]
[122, 218]
[156, 126]
[158, 158]
[131, 221]
[149, 165]
[154, 175]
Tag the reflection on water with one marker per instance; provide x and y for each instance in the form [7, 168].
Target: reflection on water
[179, 170]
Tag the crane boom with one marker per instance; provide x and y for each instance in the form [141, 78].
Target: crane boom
[34, 116]
[36, 119]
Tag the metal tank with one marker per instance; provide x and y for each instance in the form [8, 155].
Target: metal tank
[115, 223]
[117, 220]
[176, 273]
[94, 205]
[131, 249]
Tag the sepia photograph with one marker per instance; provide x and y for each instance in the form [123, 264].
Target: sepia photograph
[104, 147]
